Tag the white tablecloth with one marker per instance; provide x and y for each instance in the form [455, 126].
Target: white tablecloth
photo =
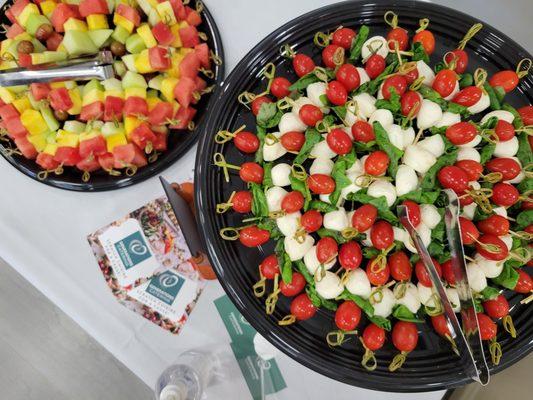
[43, 232]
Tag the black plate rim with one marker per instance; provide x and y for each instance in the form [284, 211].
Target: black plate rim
[202, 165]
[151, 169]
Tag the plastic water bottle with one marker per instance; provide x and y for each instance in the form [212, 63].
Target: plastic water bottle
[187, 378]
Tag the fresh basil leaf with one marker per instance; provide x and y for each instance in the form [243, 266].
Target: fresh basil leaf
[402, 313]
[486, 152]
[302, 269]
[429, 180]
[340, 111]
[341, 180]
[394, 153]
[312, 137]
[361, 147]
[370, 252]
[525, 186]
[373, 85]
[439, 231]
[266, 113]
[439, 67]
[323, 232]
[321, 206]
[500, 93]
[380, 203]
[524, 219]
[270, 225]
[267, 175]
[261, 134]
[381, 322]
[393, 104]
[477, 306]
[301, 186]
[489, 293]
[489, 124]
[304, 81]
[524, 153]
[432, 95]
[284, 262]
[357, 44]
[517, 122]
[494, 102]
[419, 54]
[318, 301]
[438, 131]
[436, 249]
[259, 202]
[421, 197]
[466, 80]
[457, 109]
[507, 278]
[362, 303]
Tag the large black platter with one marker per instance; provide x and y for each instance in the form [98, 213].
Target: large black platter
[431, 366]
[179, 141]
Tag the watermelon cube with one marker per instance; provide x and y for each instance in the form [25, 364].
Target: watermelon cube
[193, 17]
[61, 14]
[88, 7]
[24, 60]
[92, 111]
[190, 65]
[68, 156]
[160, 113]
[183, 116]
[106, 161]
[142, 135]
[184, 91]
[163, 34]
[160, 142]
[130, 13]
[135, 106]
[14, 30]
[139, 158]
[159, 58]
[123, 155]
[18, 6]
[189, 36]
[14, 128]
[26, 148]
[60, 99]
[202, 52]
[113, 107]
[46, 161]
[39, 91]
[95, 146]
[53, 42]
[200, 84]
[8, 111]
[88, 164]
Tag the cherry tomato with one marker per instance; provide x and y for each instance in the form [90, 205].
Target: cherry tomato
[496, 308]
[292, 141]
[326, 250]
[452, 177]
[405, 336]
[280, 87]
[292, 202]
[321, 184]
[466, 200]
[251, 172]
[350, 255]
[498, 250]
[242, 201]
[348, 76]
[246, 142]
[527, 204]
[270, 267]
[347, 316]
[472, 168]
[524, 283]
[375, 65]
[468, 96]
[398, 82]
[376, 163]
[508, 167]
[362, 131]
[469, 232]
[400, 266]
[310, 114]
[311, 221]
[487, 327]
[461, 132]
[302, 307]
[336, 93]
[526, 113]
[440, 324]
[295, 287]
[409, 101]
[507, 80]
[411, 76]
[373, 337]
[302, 64]
[343, 37]
[445, 82]
[422, 273]
[495, 224]
[253, 236]
[258, 102]
[461, 60]
[413, 210]
[447, 272]
[427, 40]
[504, 194]
[400, 36]
[339, 141]
[382, 235]
[377, 278]
[504, 130]
[332, 56]
[364, 217]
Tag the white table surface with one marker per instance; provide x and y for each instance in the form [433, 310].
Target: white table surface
[43, 230]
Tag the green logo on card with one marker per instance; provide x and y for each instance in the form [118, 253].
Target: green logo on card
[165, 287]
[132, 250]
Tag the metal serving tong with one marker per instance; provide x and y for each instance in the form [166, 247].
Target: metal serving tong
[99, 66]
[467, 338]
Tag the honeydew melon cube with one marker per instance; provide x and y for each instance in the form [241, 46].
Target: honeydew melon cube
[145, 33]
[133, 79]
[153, 17]
[50, 119]
[112, 84]
[120, 34]
[145, 6]
[135, 91]
[100, 37]
[78, 42]
[47, 57]
[38, 47]
[93, 84]
[120, 68]
[25, 14]
[74, 126]
[155, 82]
[166, 13]
[92, 96]
[34, 22]
[6, 95]
[129, 62]
[110, 128]
[135, 44]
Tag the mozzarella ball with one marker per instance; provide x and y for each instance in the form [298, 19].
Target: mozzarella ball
[482, 104]
[518, 178]
[399, 233]
[365, 105]
[322, 150]
[395, 134]
[490, 268]
[382, 187]
[289, 223]
[356, 168]
[424, 293]
[311, 261]
[429, 114]
[336, 220]
[410, 298]
[314, 91]
[329, 286]
[500, 211]
[424, 232]
[508, 240]
[476, 277]
[275, 150]
[290, 122]
[350, 118]
[409, 244]
[453, 93]
[375, 45]
[280, 174]
[448, 118]
[468, 153]
[366, 241]
[357, 283]
[406, 180]
[383, 116]
[499, 114]
[352, 187]
[469, 211]
[408, 136]
[429, 215]
[473, 143]
[453, 296]
[506, 149]
[385, 306]
[434, 144]
[426, 71]
[274, 197]
[321, 166]
[363, 76]
[418, 158]
[296, 250]
[299, 103]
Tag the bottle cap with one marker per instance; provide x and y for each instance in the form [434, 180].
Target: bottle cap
[173, 392]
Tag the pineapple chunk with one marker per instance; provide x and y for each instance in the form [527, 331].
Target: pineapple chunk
[48, 7]
[67, 139]
[75, 96]
[51, 148]
[6, 96]
[130, 123]
[34, 122]
[26, 12]
[74, 24]
[152, 102]
[123, 22]
[38, 141]
[177, 40]
[142, 63]
[146, 34]
[135, 91]
[92, 96]
[22, 104]
[166, 13]
[97, 21]
[167, 88]
[117, 139]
